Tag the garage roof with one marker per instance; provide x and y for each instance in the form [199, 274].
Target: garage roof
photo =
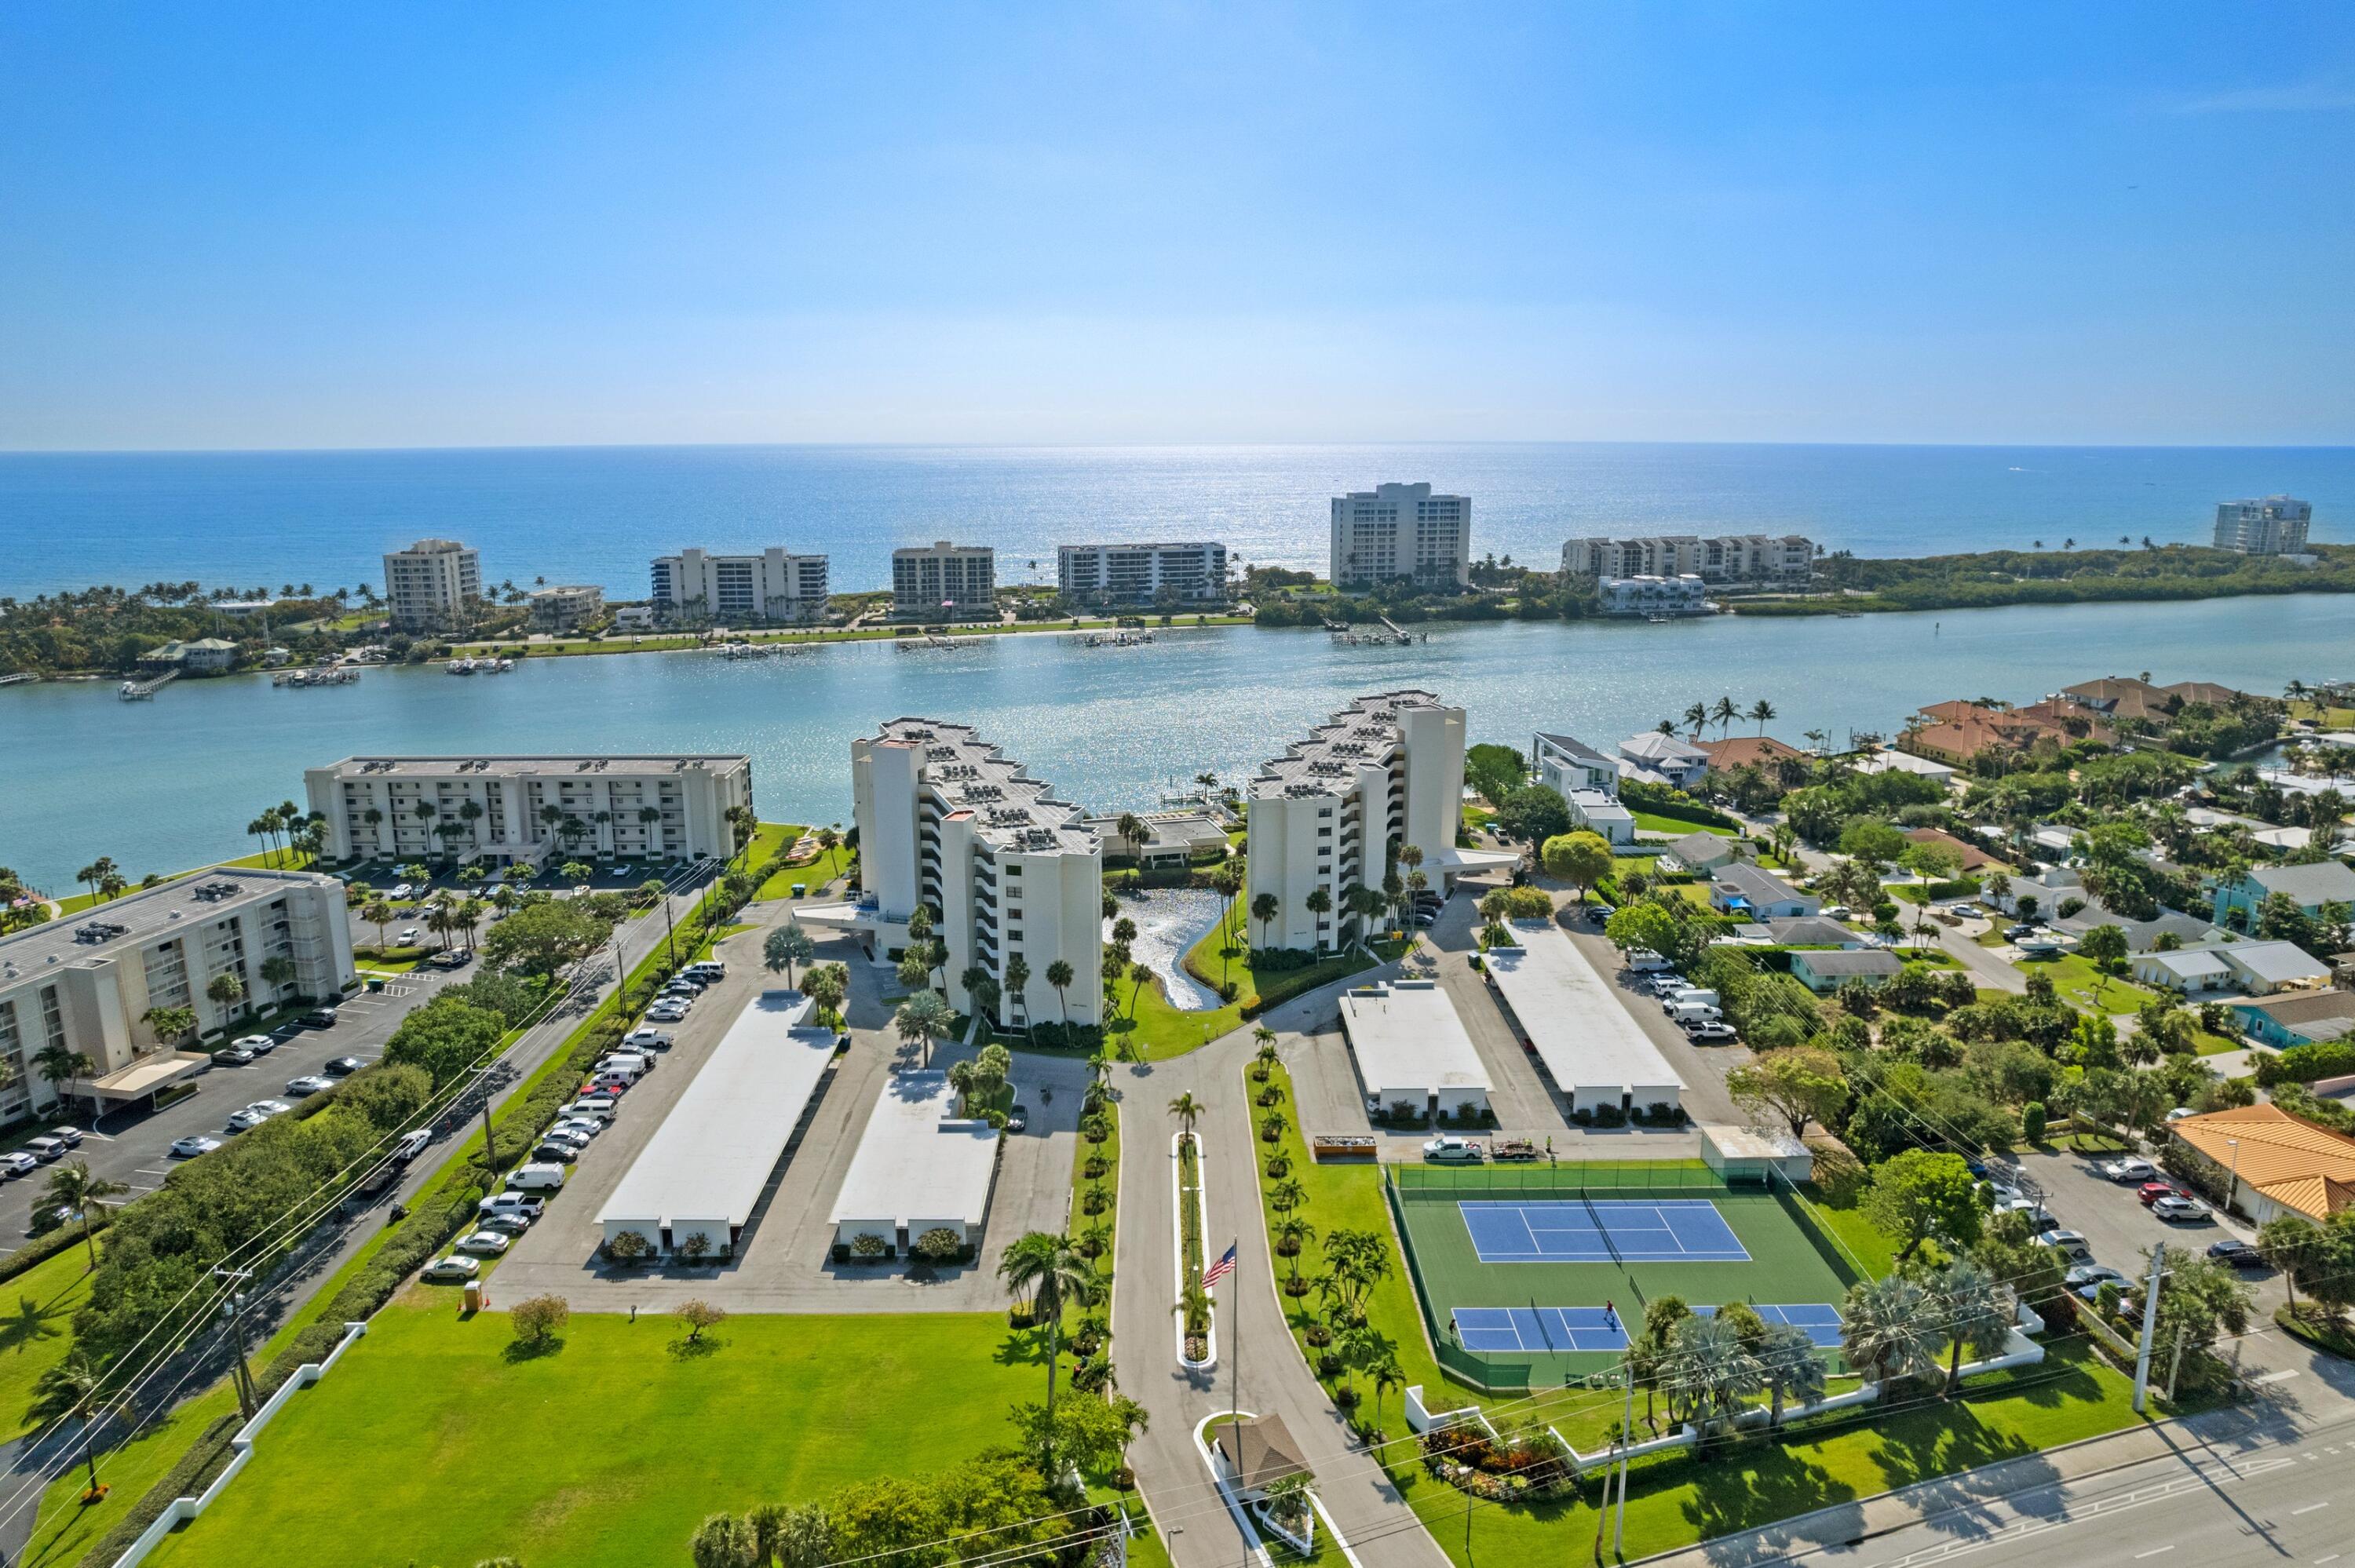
[1583, 1034]
[1407, 1036]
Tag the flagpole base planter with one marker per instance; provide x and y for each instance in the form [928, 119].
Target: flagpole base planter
[1197, 1352]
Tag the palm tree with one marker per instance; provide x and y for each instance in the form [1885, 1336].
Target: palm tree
[786, 947]
[71, 1388]
[1724, 712]
[1294, 1234]
[1789, 1366]
[1319, 902]
[1267, 1055]
[1385, 1374]
[1974, 1310]
[1711, 1371]
[1131, 828]
[74, 1190]
[1885, 1329]
[63, 1065]
[922, 1019]
[379, 914]
[1697, 717]
[1051, 1271]
[1187, 1109]
[1264, 909]
[1763, 712]
[1060, 975]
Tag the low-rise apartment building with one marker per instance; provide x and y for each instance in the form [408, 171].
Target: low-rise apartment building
[1727, 558]
[944, 581]
[566, 607]
[89, 982]
[775, 587]
[1396, 531]
[1194, 573]
[434, 584]
[1386, 773]
[948, 822]
[1684, 595]
[502, 811]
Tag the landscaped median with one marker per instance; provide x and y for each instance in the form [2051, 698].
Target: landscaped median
[1155, 1029]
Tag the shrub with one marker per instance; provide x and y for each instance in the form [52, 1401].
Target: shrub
[866, 1247]
[537, 1318]
[2032, 1121]
[630, 1246]
[2305, 1063]
[939, 1244]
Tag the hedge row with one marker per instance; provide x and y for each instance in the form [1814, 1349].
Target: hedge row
[1298, 983]
[205, 1459]
[35, 1253]
[2305, 1063]
[1662, 800]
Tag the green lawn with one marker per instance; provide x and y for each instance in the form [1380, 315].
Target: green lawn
[2085, 988]
[35, 1327]
[431, 1442]
[1648, 821]
[1157, 1029]
[829, 864]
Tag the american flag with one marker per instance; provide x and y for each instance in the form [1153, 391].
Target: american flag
[1219, 1270]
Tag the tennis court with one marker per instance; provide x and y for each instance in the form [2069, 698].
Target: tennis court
[1513, 1265]
[1687, 1230]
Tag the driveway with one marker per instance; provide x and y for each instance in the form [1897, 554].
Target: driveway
[2120, 1231]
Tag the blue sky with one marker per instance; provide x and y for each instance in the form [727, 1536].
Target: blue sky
[425, 224]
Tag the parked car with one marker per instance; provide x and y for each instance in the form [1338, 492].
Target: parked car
[2087, 1279]
[342, 1066]
[309, 1084]
[511, 1203]
[572, 1137]
[409, 937]
[45, 1148]
[246, 1120]
[48, 1217]
[714, 967]
[595, 1106]
[450, 1270]
[2130, 1170]
[682, 986]
[193, 1145]
[2019, 933]
[556, 1150]
[17, 1163]
[2179, 1210]
[536, 1178]
[1452, 1151]
[232, 1056]
[2070, 1243]
[320, 1018]
[585, 1127]
[70, 1135]
[1709, 1032]
[505, 1223]
[484, 1244]
[403, 890]
[667, 1013]
[2237, 1254]
[647, 1040]
[2180, 1112]
[2152, 1191]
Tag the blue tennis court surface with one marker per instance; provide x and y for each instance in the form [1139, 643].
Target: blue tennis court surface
[1605, 1230]
[1563, 1328]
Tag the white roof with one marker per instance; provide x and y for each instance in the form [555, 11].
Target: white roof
[1587, 1040]
[1407, 1036]
[2189, 963]
[2276, 963]
[713, 1153]
[1889, 760]
[915, 1163]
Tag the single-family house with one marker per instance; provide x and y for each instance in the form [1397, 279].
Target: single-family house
[1652, 758]
[2194, 971]
[1766, 753]
[1889, 760]
[2308, 886]
[2297, 1017]
[2142, 935]
[2275, 1163]
[2257, 969]
[1702, 853]
[1827, 971]
[1975, 859]
[1565, 763]
[1597, 812]
[2130, 698]
[1814, 931]
[1747, 892]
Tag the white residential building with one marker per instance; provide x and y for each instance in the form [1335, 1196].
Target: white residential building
[1566, 763]
[1401, 530]
[736, 590]
[508, 810]
[944, 580]
[1652, 758]
[1385, 773]
[433, 583]
[564, 608]
[1726, 558]
[1143, 574]
[87, 982]
[948, 822]
[2276, 525]
[1686, 594]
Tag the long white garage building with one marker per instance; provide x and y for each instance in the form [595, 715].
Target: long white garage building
[1597, 1053]
[1412, 1048]
[704, 1168]
[918, 1168]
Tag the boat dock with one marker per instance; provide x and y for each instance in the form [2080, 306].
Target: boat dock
[140, 691]
[327, 675]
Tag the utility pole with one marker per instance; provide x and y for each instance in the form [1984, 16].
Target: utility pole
[2149, 1324]
[1626, 1425]
[235, 1309]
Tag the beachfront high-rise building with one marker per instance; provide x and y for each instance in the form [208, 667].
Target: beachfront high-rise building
[502, 811]
[948, 822]
[1725, 558]
[2276, 525]
[1143, 574]
[1401, 530]
[1327, 816]
[735, 591]
[89, 982]
[434, 584]
[944, 581]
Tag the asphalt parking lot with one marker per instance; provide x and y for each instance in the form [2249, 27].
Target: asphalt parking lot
[2116, 1227]
[130, 1146]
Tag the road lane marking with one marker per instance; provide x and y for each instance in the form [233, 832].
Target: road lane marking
[2307, 1508]
[2282, 1376]
[2153, 1551]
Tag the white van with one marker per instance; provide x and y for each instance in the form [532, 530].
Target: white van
[1645, 961]
[597, 1107]
[1692, 1012]
[706, 970]
[628, 1064]
[535, 1178]
[1688, 994]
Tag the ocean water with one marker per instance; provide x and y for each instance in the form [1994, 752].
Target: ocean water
[167, 784]
[599, 515]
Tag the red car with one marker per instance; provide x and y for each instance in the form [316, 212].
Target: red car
[2152, 1191]
[614, 1088]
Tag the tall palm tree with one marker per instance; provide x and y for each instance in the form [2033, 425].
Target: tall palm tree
[1018, 980]
[1051, 1270]
[73, 1387]
[73, 1189]
[1264, 909]
[1060, 975]
[1790, 1369]
[1697, 717]
[1187, 1109]
[1724, 712]
[1886, 1329]
[1763, 712]
[922, 1018]
[1973, 1309]
[63, 1065]
[1711, 1371]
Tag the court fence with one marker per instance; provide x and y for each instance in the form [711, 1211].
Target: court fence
[1537, 1180]
[1468, 1367]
